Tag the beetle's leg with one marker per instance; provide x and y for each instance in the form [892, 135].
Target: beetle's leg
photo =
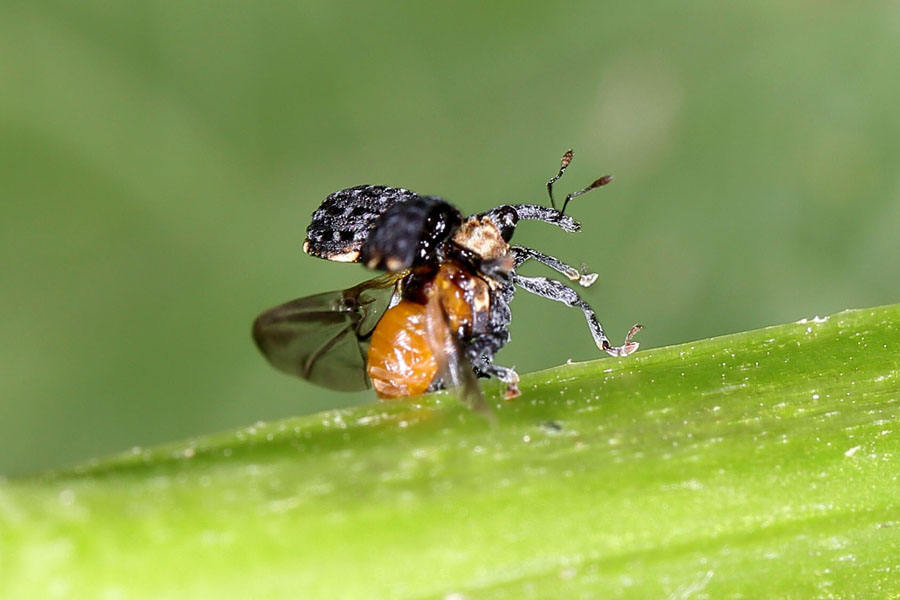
[506, 216]
[546, 214]
[554, 290]
[504, 374]
[521, 254]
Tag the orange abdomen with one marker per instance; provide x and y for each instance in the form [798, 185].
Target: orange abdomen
[401, 362]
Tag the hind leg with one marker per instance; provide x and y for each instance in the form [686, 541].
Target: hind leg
[554, 290]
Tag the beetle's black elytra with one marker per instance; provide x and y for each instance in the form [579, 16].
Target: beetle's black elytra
[343, 221]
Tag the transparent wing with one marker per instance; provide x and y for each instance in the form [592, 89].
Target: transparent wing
[324, 338]
[454, 368]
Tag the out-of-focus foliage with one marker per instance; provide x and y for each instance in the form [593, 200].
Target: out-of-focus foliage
[160, 161]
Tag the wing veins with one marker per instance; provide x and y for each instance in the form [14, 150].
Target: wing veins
[453, 366]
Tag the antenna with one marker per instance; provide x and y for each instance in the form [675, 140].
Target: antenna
[598, 183]
[564, 163]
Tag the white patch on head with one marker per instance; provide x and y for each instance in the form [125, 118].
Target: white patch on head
[482, 237]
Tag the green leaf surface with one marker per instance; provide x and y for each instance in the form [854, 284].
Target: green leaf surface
[761, 464]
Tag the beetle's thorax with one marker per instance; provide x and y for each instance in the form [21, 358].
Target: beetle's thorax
[479, 234]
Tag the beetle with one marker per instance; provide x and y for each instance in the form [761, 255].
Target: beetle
[439, 312]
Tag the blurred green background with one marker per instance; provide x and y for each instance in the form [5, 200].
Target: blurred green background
[160, 161]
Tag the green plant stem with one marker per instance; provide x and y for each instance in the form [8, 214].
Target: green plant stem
[761, 464]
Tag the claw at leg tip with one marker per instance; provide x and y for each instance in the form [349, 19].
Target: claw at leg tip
[587, 280]
[512, 386]
[625, 349]
[628, 348]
